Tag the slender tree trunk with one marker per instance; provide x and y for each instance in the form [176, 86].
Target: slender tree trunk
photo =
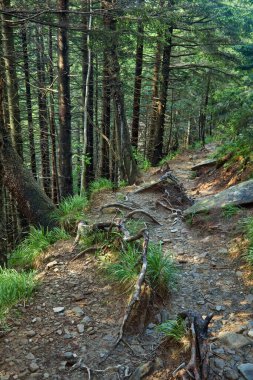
[3, 237]
[11, 79]
[137, 83]
[43, 116]
[65, 153]
[127, 163]
[87, 60]
[155, 100]
[90, 129]
[28, 101]
[106, 119]
[203, 109]
[53, 132]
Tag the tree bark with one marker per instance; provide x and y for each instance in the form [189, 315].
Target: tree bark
[106, 118]
[11, 79]
[65, 153]
[203, 109]
[137, 83]
[28, 101]
[43, 115]
[3, 235]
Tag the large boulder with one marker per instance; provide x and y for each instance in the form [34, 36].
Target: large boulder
[204, 164]
[240, 194]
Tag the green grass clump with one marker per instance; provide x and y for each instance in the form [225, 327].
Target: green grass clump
[71, 211]
[174, 329]
[125, 267]
[142, 162]
[30, 248]
[100, 184]
[14, 286]
[230, 210]
[168, 158]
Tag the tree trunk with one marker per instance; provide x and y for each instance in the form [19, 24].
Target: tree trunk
[137, 83]
[65, 153]
[127, 163]
[203, 109]
[43, 115]
[53, 132]
[158, 149]
[11, 79]
[155, 102]
[106, 119]
[32, 201]
[3, 237]
[28, 101]
[90, 129]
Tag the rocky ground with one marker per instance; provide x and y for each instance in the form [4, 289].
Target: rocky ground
[74, 318]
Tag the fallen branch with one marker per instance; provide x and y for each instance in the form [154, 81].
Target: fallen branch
[198, 366]
[139, 211]
[175, 211]
[87, 250]
[136, 295]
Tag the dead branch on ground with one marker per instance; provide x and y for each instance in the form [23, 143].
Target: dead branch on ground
[198, 366]
[116, 205]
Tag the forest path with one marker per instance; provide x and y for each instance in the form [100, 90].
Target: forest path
[77, 314]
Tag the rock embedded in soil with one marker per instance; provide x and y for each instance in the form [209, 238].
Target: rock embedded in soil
[58, 309]
[77, 310]
[230, 374]
[246, 370]
[33, 366]
[234, 340]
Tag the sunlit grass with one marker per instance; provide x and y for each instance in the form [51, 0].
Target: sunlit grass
[100, 184]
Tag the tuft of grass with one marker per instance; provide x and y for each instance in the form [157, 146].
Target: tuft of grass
[174, 329]
[100, 184]
[168, 158]
[71, 211]
[37, 241]
[125, 267]
[14, 286]
[142, 162]
[230, 210]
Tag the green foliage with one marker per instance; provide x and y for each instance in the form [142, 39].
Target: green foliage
[125, 267]
[169, 157]
[100, 184]
[230, 210]
[248, 227]
[174, 329]
[71, 211]
[142, 162]
[14, 286]
[37, 241]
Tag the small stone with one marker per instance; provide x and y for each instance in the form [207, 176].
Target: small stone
[90, 329]
[249, 298]
[51, 264]
[59, 332]
[86, 320]
[33, 366]
[219, 308]
[164, 315]
[151, 326]
[246, 370]
[68, 355]
[250, 333]
[142, 371]
[30, 356]
[230, 373]
[239, 273]
[46, 375]
[219, 363]
[30, 333]
[234, 340]
[59, 309]
[80, 328]
[174, 230]
[67, 336]
[200, 302]
[78, 311]
[78, 296]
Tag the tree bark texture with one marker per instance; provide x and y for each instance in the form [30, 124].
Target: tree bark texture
[65, 153]
[3, 234]
[106, 119]
[11, 79]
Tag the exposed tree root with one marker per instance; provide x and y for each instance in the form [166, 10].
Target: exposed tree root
[87, 250]
[139, 211]
[116, 205]
[198, 366]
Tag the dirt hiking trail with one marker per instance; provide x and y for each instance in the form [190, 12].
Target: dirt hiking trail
[74, 317]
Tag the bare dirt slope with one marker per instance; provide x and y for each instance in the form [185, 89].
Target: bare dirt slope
[76, 314]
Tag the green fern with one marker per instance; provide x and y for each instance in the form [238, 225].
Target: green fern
[174, 329]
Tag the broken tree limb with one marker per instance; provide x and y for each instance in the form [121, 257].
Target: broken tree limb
[136, 295]
[140, 211]
[198, 366]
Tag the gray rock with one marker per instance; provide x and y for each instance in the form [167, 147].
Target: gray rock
[30, 356]
[246, 370]
[141, 371]
[33, 366]
[78, 311]
[46, 375]
[51, 264]
[164, 315]
[58, 309]
[80, 328]
[86, 320]
[219, 363]
[30, 333]
[234, 340]
[250, 333]
[230, 374]
[236, 195]
[204, 164]
[249, 298]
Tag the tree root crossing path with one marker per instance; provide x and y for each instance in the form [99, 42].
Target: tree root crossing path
[68, 330]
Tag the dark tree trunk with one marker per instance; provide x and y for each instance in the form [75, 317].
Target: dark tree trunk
[106, 119]
[90, 130]
[11, 79]
[127, 163]
[203, 109]
[65, 153]
[137, 83]
[55, 184]
[43, 116]
[155, 102]
[28, 102]
[3, 237]
[158, 148]
[32, 201]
